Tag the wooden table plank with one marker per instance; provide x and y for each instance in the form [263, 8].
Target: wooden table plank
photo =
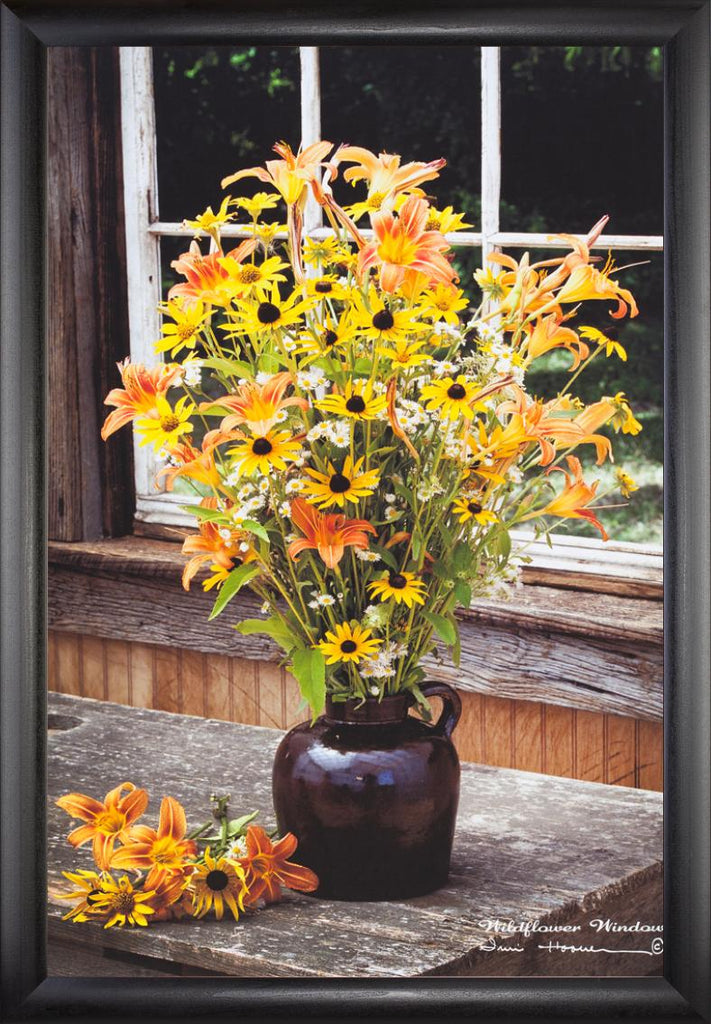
[528, 848]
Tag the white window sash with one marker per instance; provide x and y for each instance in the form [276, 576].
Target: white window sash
[144, 229]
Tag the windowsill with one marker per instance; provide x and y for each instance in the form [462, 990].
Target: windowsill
[593, 651]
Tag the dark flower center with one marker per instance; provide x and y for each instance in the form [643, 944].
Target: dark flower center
[91, 897]
[348, 646]
[268, 313]
[217, 881]
[324, 287]
[235, 561]
[457, 392]
[339, 483]
[397, 581]
[329, 338]
[474, 507]
[383, 320]
[261, 446]
[169, 423]
[355, 404]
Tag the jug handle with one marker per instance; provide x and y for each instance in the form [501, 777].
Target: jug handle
[452, 706]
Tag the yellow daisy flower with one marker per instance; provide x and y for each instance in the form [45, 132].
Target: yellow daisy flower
[445, 221]
[184, 332]
[273, 450]
[210, 222]
[493, 283]
[625, 483]
[253, 277]
[610, 345]
[401, 587]
[340, 486]
[623, 418]
[88, 888]
[267, 314]
[259, 202]
[453, 397]
[323, 250]
[378, 320]
[404, 353]
[121, 903]
[348, 643]
[467, 508]
[267, 233]
[216, 883]
[357, 402]
[164, 426]
[443, 303]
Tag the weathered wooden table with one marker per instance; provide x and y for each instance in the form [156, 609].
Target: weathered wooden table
[537, 860]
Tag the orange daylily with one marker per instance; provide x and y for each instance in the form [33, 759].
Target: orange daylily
[326, 533]
[290, 175]
[573, 500]
[195, 464]
[266, 867]
[159, 851]
[548, 334]
[586, 282]
[141, 387]
[539, 421]
[402, 245]
[207, 279]
[225, 553]
[257, 405]
[106, 822]
[384, 175]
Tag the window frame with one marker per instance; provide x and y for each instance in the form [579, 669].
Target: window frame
[144, 229]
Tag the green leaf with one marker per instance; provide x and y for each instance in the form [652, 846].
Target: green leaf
[443, 627]
[232, 585]
[503, 544]
[309, 667]
[254, 527]
[274, 628]
[230, 367]
[463, 593]
[462, 557]
[238, 826]
[207, 515]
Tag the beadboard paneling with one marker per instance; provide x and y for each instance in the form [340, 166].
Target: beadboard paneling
[493, 730]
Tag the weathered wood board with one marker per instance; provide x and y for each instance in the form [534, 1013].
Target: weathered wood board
[529, 848]
[587, 651]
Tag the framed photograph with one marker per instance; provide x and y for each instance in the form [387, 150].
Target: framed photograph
[118, 63]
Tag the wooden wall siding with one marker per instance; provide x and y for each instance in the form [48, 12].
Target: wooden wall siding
[493, 730]
[585, 651]
[89, 483]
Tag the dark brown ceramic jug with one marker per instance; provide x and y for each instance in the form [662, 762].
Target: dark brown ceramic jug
[371, 793]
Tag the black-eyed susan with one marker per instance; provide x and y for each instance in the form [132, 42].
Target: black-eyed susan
[323, 250]
[453, 397]
[468, 507]
[121, 903]
[357, 402]
[216, 883]
[264, 453]
[327, 286]
[401, 587]
[348, 643]
[184, 332]
[267, 313]
[623, 419]
[327, 337]
[166, 424]
[336, 487]
[625, 483]
[381, 320]
[253, 278]
[88, 887]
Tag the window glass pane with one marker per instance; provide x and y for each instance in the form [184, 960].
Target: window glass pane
[422, 102]
[218, 110]
[582, 136]
[640, 378]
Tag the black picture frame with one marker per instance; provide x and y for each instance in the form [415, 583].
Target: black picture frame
[683, 27]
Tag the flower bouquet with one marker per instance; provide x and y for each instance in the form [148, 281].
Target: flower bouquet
[358, 436]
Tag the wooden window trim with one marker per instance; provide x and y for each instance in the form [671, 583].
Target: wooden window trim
[578, 649]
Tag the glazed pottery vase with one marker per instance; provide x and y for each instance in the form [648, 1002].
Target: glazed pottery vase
[371, 793]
